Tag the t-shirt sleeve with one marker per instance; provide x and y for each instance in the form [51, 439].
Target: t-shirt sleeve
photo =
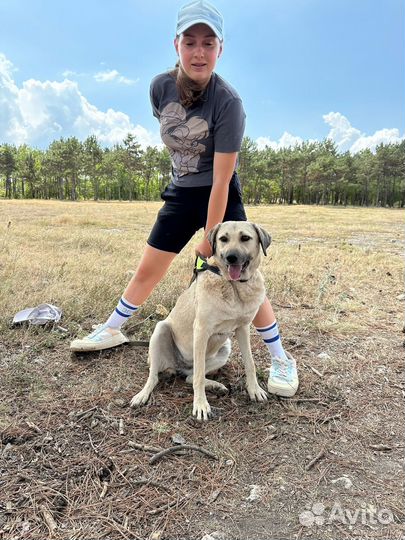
[153, 94]
[229, 128]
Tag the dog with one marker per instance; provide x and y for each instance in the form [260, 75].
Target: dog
[195, 337]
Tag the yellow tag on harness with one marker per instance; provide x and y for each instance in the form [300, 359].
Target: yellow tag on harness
[199, 264]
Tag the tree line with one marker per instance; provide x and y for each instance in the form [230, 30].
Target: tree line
[309, 173]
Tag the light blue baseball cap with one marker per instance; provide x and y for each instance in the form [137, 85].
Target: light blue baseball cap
[198, 12]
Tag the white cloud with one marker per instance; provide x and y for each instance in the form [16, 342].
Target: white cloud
[383, 136]
[349, 138]
[41, 111]
[286, 141]
[113, 75]
[342, 133]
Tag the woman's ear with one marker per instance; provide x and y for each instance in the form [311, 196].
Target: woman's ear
[220, 50]
[176, 44]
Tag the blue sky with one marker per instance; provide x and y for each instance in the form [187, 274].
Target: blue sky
[305, 69]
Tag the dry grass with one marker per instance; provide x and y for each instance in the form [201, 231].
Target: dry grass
[68, 469]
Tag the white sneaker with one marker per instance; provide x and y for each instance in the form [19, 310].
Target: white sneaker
[103, 337]
[283, 376]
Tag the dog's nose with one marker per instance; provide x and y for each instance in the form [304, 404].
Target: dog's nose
[232, 258]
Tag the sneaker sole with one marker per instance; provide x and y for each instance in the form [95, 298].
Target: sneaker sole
[83, 346]
[281, 390]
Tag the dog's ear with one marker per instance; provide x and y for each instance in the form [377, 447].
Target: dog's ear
[212, 237]
[264, 237]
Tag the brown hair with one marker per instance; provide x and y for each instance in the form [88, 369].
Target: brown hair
[189, 91]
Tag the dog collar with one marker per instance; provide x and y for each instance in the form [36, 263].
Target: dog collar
[201, 265]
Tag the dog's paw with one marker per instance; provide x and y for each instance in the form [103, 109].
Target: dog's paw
[201, 409]
[217, 388]
[256, 393]
[139, 399]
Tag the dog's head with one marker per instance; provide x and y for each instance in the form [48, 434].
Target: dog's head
[236, 247]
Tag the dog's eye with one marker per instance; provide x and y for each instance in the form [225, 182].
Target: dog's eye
[224, 239]
[245, 238]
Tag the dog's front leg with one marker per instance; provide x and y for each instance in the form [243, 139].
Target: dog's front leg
[201, 407]
[256, 393]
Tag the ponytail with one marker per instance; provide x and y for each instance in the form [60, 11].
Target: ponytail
[189, 91]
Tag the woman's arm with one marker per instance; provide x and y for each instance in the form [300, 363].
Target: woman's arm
[224, 167]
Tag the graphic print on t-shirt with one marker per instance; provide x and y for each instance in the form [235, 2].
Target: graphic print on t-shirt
[183, 138]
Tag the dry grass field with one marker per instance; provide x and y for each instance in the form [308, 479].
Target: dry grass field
[75, 459]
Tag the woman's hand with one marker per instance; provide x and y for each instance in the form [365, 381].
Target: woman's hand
[204, 249]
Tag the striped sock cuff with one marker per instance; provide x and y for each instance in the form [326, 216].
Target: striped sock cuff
[272, 340]
[267, 328]
[125, 308]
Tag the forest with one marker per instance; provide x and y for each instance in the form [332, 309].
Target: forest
[309, 173]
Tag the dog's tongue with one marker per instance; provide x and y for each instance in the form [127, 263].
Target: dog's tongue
[235, 271]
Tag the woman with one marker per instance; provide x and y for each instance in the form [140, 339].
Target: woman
[202, 123]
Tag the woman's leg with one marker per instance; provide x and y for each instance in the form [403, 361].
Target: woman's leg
[151, 269]
[265, 316]
[283, 377]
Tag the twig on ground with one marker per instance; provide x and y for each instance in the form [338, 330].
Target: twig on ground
[333, 417]
[146, 482]
[316, 458]
[48, 517]
[104, 490]
[162, 508]
[33, 426]
[313, 369]
[92, 445]
[174, 449]
[381, 447]
[143, 447]
[85, 414]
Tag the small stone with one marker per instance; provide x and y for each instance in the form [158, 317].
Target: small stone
[178, 439]
[119, 402]
[324, 356]
[162, 311]
[214, 536]
[346, 481]
[255, 493]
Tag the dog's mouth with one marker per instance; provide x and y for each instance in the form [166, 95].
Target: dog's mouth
[235, 270]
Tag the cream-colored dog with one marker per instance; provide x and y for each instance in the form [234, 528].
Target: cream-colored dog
[195, 338]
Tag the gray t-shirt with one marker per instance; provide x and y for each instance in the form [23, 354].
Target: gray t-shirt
[214, 124]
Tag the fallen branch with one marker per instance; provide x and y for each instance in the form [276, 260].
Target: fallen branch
[177, 448]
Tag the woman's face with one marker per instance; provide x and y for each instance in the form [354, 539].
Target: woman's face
[198, 49]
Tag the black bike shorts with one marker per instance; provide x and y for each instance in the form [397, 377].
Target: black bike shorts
[185, 212]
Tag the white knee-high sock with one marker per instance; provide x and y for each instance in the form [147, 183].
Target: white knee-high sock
[121, 313]
[271, 337]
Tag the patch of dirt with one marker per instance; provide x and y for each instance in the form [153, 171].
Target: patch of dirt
[327, 463]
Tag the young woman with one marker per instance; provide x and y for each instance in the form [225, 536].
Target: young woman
[202, 123]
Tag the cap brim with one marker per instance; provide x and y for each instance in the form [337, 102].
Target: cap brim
[186, 26]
